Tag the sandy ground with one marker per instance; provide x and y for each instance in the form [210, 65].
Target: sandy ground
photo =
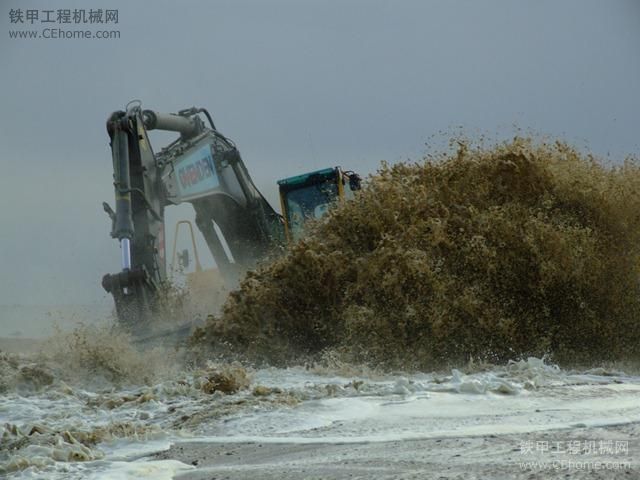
[532, 456]
[480, 457]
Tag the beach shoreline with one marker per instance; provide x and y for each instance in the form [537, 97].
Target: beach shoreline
[513, 456]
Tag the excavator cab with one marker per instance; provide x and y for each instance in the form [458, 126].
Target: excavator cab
[308, 197]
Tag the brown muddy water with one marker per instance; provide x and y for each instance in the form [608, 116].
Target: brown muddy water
[523, 249]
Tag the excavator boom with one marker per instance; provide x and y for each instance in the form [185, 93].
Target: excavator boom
[201, 167]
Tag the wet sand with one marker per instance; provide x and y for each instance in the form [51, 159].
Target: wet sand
[477, 457]
[314, 452]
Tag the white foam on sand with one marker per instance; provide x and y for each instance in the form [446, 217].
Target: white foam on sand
[522, 397]
[304, 406]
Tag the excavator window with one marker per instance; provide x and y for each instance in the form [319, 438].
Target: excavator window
[309, 202]
[309, 196]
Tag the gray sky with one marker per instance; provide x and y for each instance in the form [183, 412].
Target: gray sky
[298, 85]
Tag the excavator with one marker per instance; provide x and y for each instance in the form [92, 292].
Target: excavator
[204, 168]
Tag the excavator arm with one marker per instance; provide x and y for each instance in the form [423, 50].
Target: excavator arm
[201, 167]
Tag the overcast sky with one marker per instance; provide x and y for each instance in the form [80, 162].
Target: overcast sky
[298, 85]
